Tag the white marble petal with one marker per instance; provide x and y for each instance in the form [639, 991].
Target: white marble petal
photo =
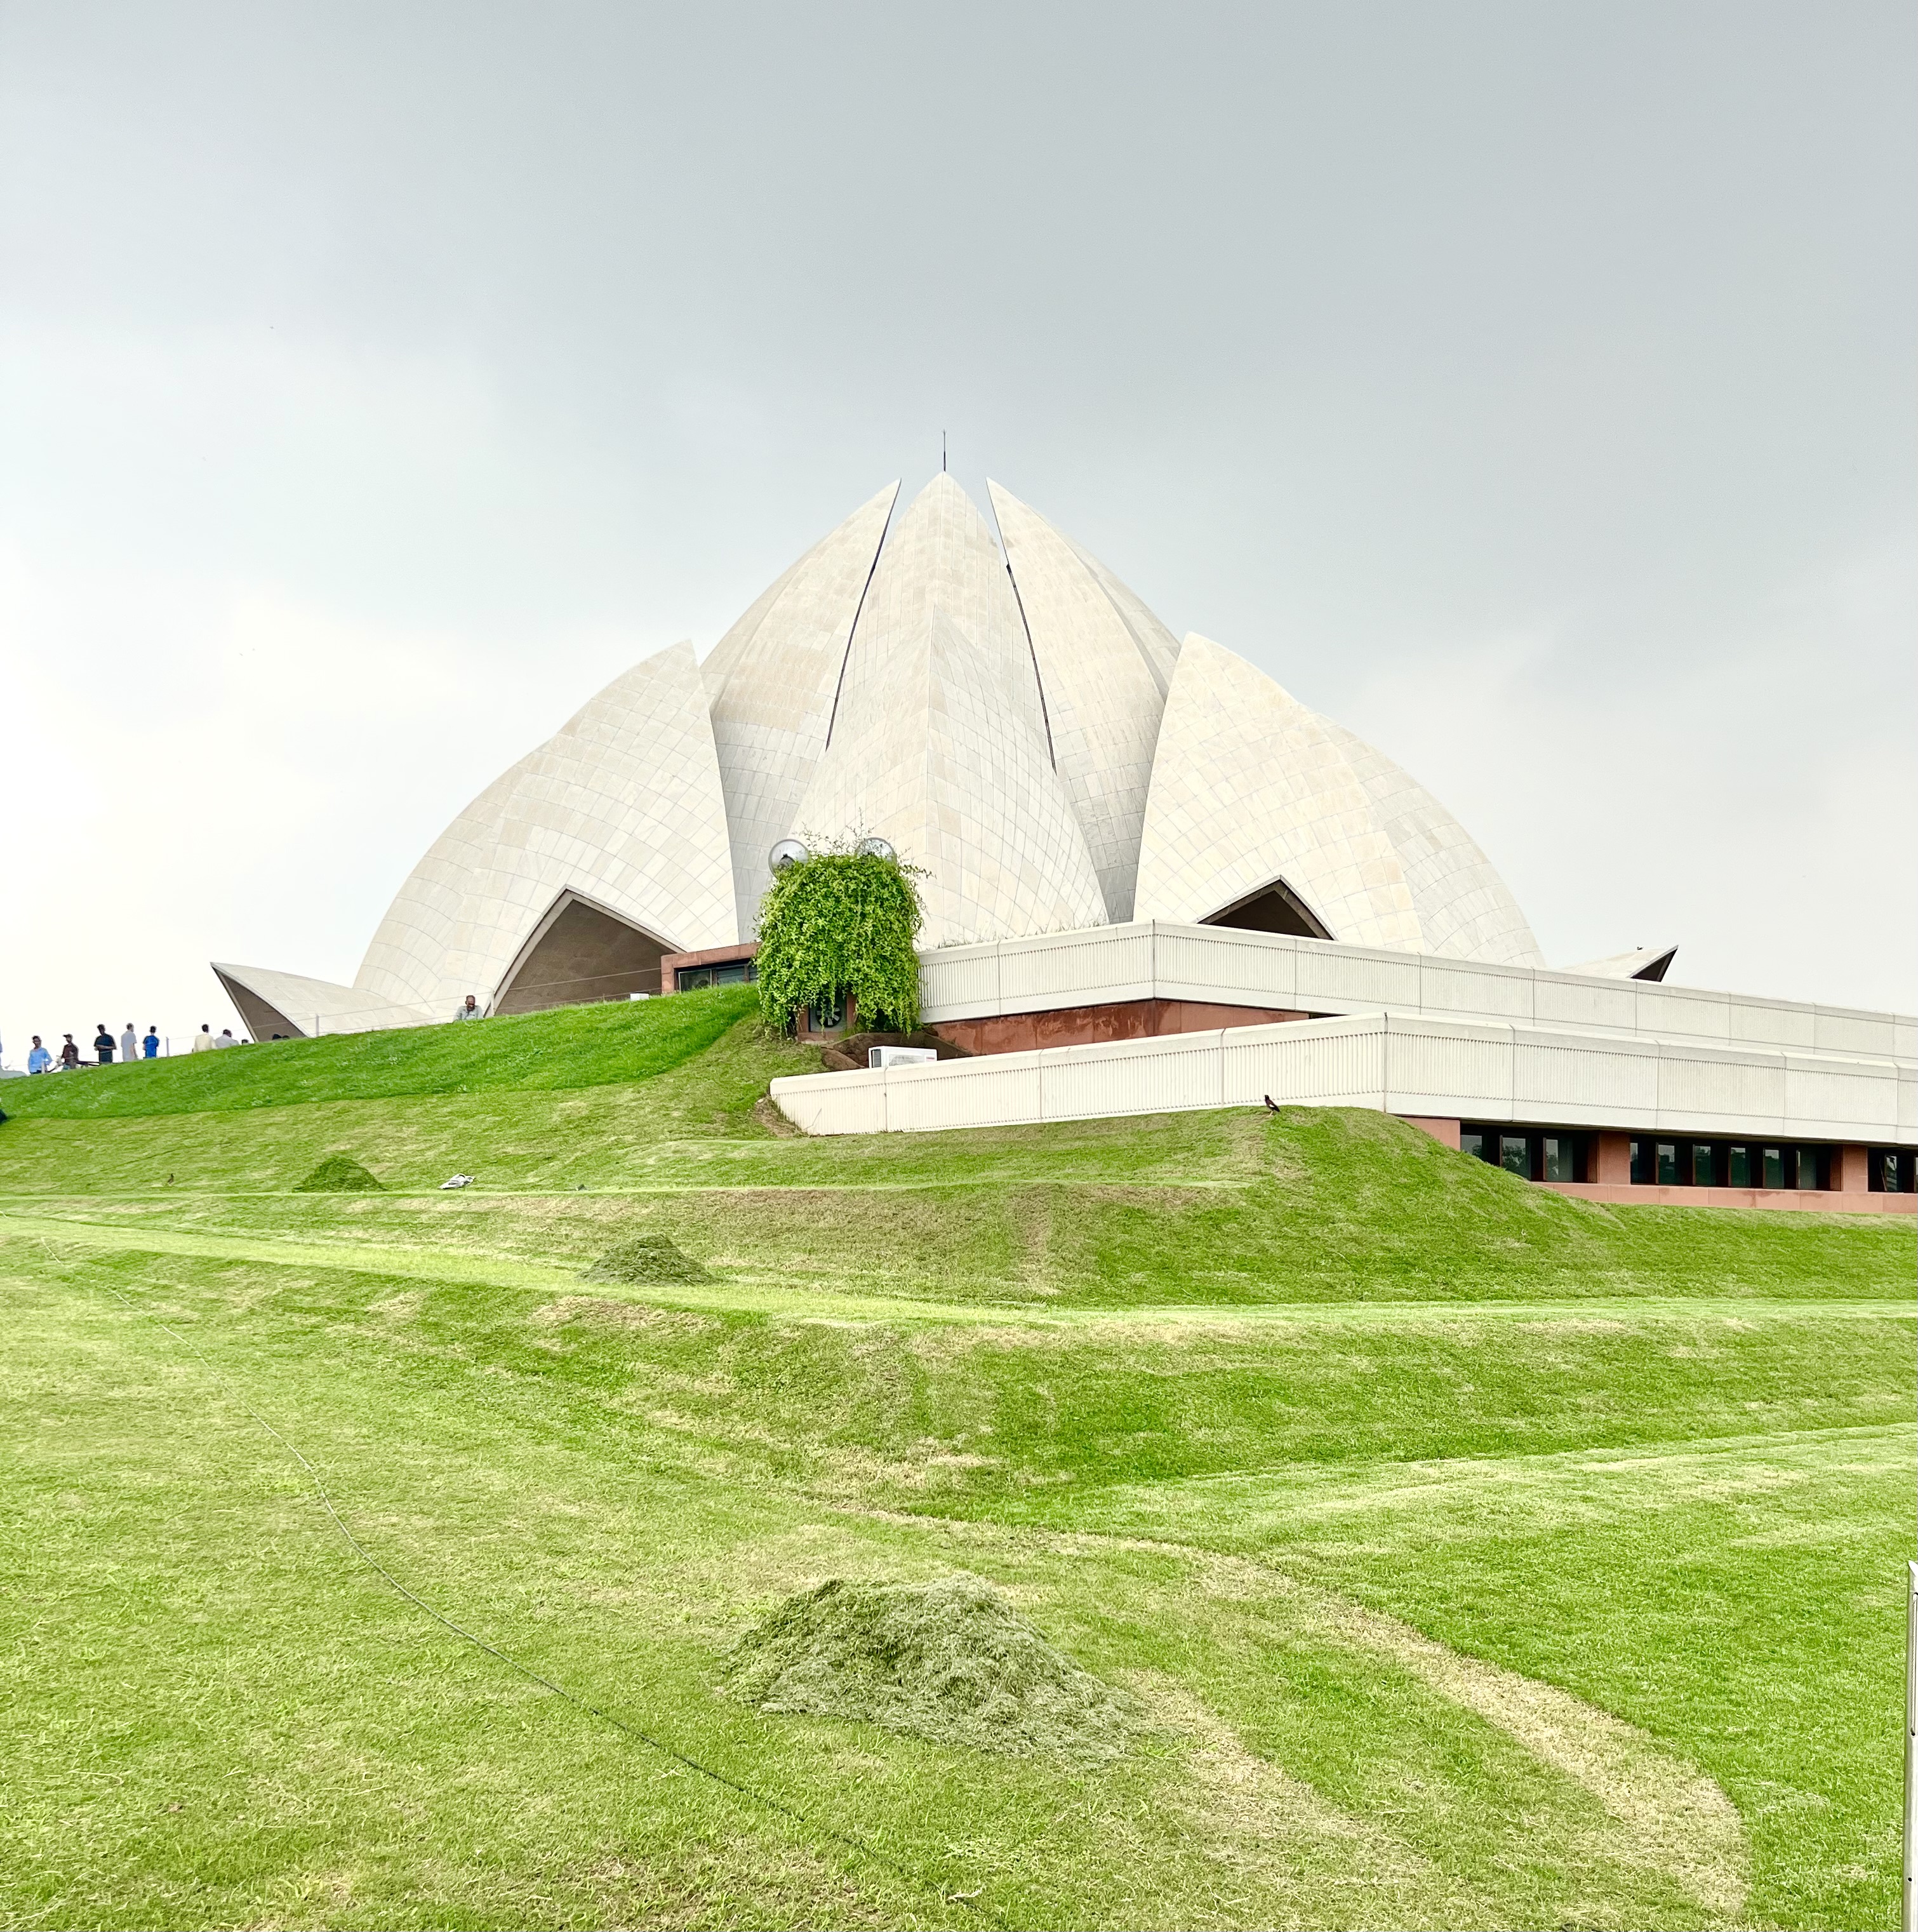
[942, 553]
[1466, 911]
[1160, 647]
[623, 806]
[940, 742]
[1249, 786]
[313, 1006]
[1104, 686]
[773, 679]
[1649, 963]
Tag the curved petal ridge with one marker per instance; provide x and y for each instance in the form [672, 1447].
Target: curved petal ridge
[773, 679]
[1104, 690]
[937, 750]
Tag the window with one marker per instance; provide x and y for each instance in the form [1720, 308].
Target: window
[1667, 1163]
[1704, 1168]
[727, 973]
[1739, 1168]
[1561, 1157]
[1515, 1154]
[1472, 1140]
[1641, 1164]
[1810, 1167]
[1773, 1169]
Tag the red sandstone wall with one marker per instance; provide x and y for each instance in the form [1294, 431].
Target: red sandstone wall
[1084, 1026]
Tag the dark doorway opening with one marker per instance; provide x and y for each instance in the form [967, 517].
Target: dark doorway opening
[581, 954]
[1272, 908]
[263, 1019]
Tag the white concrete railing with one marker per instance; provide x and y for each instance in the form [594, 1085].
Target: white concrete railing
[1397, 1064]
[1154, 960]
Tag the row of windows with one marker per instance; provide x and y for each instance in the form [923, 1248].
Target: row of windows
[1532, 1156]
[1549, 1154]
[1680, 1163]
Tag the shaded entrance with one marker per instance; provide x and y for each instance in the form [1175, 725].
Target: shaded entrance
[581, 953]
[264, 1020]
[1272, 908]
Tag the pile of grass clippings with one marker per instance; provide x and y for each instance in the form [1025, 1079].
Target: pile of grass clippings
[338, 1174]
[643, 1258]
[950, 1661]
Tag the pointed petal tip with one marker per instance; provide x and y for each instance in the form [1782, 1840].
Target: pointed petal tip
[1206, 643]
[943, 481]
[1004, 502]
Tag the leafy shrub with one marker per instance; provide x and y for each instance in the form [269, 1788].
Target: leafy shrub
[840, 924]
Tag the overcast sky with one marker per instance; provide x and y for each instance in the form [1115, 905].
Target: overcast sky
[1530, 387]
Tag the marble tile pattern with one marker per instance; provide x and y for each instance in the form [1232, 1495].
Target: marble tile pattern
[773, 679]
[1105, 688]
[1465, 911]
[407, 957]
[940, 742]
[1160, 647]
[1249, 786]
[623, 806]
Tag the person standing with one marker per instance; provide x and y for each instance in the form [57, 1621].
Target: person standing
[39, 1059]
[103, 1045]
[130, 1044]
[203, 1041]
[226, 1038]
[69, 1054]
[150, 1045]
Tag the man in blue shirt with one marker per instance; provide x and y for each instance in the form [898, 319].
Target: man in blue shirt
[150, 1046]
[39, 1059]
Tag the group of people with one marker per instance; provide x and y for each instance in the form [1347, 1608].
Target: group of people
[130, 1045]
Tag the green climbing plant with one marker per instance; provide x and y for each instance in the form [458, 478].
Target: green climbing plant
[840, 923]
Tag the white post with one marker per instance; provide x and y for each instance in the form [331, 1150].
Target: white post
[1908, 1917]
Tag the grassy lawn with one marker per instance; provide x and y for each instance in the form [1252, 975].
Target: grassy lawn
[1471, 1557]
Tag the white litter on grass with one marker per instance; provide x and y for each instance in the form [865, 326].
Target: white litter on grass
[457, 1180]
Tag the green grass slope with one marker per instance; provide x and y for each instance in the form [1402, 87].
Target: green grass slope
[1471, 1557]
[570, 1046]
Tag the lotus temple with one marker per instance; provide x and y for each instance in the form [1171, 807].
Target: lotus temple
[1153, 880]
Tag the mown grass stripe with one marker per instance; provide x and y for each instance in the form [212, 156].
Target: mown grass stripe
[746, 1295]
